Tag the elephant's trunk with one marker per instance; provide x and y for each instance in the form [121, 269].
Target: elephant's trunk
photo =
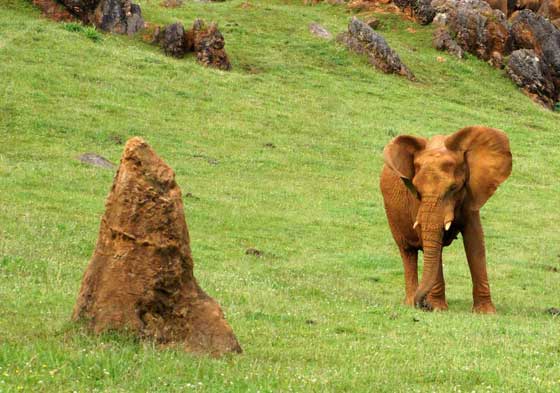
[431, 221]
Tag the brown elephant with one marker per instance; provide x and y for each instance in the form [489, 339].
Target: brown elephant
[433, 189]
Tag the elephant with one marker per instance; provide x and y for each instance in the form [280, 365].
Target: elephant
[433, 190]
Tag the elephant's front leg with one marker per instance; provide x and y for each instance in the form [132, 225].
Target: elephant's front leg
[436, 297]
[473, 240]
[410, 263]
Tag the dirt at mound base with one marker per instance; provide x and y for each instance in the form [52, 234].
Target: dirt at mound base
[140, 277]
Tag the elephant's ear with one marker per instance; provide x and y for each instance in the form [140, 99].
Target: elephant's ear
[488, 157]
[399, 156]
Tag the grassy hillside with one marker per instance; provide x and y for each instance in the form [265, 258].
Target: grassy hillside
[282, 154]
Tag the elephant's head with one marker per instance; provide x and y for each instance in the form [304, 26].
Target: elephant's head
[447, 174]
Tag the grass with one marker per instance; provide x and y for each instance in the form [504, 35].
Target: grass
[282, 154]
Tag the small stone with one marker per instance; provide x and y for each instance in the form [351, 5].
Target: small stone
[554, 311]
[254, 252]
[319, 31]
[96, 160]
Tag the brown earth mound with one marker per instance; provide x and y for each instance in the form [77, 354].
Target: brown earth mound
[140, 277]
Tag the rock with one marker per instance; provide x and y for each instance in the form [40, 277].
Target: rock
[119, 16]
[554, 311]
[361, 39]
[53, 10]
[115, 16]
[319, 31]
[477, 28]
[140, 277]
[420, 10]
[532, 31]
[442, 41]
[533, 76]
[208, 44]
[254, 252]
[501, 5]
[440, 19]
[550, 9]
[172, 40]
[96, 160]
[373, 22]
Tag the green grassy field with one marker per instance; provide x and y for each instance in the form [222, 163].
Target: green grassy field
[282, 154]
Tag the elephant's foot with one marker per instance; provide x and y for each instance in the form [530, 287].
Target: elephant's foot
[484, 308]
[424, 305]
[409, 300]
[438, 303]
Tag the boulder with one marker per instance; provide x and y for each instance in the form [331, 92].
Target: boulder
[477, 28]
[205, 41]
[171, 38]
[420, 10]
[533, 76]
[208, 44]
[442, 41]
[550, 9]
[115, 16]
[140, 278]
[362, 39]
[501, 5]
[532, 31]
[53, 10]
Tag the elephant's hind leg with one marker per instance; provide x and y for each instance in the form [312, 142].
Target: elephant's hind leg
[410, 263]
[436, 297]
